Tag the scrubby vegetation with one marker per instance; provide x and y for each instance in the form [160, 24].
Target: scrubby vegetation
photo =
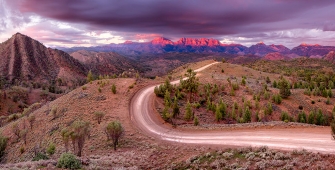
[68, 161]
[256, 158]
[239, 99]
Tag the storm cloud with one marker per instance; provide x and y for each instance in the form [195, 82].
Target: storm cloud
[186, 18]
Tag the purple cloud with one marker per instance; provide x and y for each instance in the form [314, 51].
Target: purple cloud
[272, 21]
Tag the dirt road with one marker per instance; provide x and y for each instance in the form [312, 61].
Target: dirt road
[144, 116]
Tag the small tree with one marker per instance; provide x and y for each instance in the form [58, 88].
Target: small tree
[189, 112]
[247, 115]
[167, 98]
[114, 89]
[80, 132]
[191, 83]
[175, 108]
[31, 120]
[274, 84]
[66, 137]
[284, 89]
[195, 121]
[98, 116]
[51, 149]
[90, 76]
[328, 101]
[243, 82]
[114, 131]
[218, 115]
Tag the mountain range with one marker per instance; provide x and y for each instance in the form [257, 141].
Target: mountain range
[163, 45]
[23, 58]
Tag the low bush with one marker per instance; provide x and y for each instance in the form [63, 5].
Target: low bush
[40, 156]
[68, 161]
[277, 99]
[114, 89]
[51, 149]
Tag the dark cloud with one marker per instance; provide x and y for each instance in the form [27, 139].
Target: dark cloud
[187, 17]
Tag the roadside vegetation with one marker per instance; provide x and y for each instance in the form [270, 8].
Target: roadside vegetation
[245, 99]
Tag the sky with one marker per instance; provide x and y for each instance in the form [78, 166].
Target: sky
[68, 23]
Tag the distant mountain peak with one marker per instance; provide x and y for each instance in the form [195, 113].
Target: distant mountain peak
[304, 44]
[161, 41]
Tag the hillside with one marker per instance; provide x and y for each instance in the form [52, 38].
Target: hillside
[135, 149]
[275, 56]
[25, 59]
[105, 63]
[237, 90]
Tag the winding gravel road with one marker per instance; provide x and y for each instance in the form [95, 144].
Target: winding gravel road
[144, 116]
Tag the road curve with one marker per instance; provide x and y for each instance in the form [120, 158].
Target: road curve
[144, 116]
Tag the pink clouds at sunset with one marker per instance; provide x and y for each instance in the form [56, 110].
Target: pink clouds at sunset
[86, 22]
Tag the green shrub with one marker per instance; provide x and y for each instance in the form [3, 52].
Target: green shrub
[328, 101]
[3, 145]
[311, 118]
[243, 82]
[51, 149]
[268, 110]
[68, 161]
[235, 86]
[302, 117]
[196, 121]
[114, 89]
[284, 88]
[247, 115]
[40, 156]
[284, 116]
[84, 87]
[99, 89]
[189, 112]
[277, 99]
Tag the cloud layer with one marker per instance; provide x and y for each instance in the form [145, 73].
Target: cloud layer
[252, 20]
